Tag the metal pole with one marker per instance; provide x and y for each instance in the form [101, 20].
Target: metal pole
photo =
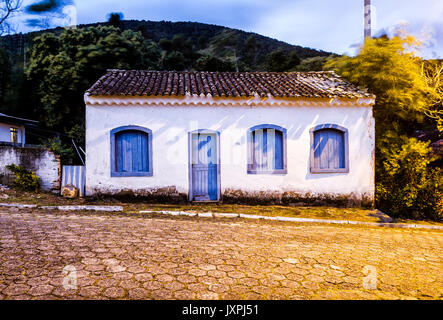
[367, 19]
[75, 146]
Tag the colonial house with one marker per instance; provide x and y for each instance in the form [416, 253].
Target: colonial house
[211, 136]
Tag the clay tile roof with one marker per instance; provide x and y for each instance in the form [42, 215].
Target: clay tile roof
[323, 84]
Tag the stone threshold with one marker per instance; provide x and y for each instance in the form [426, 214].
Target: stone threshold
[291, 219]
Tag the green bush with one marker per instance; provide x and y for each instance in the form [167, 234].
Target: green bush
[406, 184]
[24, 179]
[55, 145]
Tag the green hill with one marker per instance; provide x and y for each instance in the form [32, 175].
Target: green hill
[226, 43]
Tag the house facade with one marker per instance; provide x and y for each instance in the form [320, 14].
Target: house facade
[209, 136]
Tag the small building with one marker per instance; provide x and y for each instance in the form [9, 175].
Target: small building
[14, 149]
[13, 129]
[245, 136]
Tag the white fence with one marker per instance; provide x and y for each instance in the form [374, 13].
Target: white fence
[74, 175]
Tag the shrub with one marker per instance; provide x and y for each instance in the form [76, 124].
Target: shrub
[406, 184]
[56, 146]
[24, 179]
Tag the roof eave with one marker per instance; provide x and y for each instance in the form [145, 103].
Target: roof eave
[197, 100]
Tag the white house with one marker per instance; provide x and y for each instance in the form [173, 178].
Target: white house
[13, 129]
[210, 136]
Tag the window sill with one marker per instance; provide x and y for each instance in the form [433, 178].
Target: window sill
[131, 174]
[344, 170]
[268, 172]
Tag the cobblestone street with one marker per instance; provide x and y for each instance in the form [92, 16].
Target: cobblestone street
[96, 256]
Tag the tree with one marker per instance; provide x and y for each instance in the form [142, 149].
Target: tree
[179, 53]
[251, 50]
[212, 63]
[115, 19]
[432, 71]
[390, 69]
[178, 42]
[165, 44]
[279, 61]
[313, 64]
[225, 44]
[4, 73]
[62, 68]
[406, 183]
[174, 60]
[7, 9]
[292, 61]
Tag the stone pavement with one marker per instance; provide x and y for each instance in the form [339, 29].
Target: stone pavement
[53, 255]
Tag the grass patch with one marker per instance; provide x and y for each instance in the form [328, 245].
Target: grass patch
[277, 211]
[317, 212]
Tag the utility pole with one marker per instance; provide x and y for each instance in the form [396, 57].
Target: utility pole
[367, 19]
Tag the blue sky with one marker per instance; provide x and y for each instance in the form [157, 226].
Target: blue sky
[331, 25]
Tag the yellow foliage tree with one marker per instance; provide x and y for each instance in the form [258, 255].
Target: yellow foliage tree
[390, 68]
[409, 93]
[433, 73]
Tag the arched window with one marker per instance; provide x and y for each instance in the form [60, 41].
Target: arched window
[329, 149]
[131, 152]
[267, 149]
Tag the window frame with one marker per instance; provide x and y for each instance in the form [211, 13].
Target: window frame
[250, 147]
[344, 131]
[13, 131]
[113, 134]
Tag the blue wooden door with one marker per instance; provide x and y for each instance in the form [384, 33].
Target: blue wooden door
[204, 167]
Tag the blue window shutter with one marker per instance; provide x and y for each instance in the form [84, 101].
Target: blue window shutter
[320, 151]
[119, 153]
[131, 151]
[127, 155]
[267, 152]
[145, 153]
[254, 151]
[278, 152]
[264, 151]
[329, 151]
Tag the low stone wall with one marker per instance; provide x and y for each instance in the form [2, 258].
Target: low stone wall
[297, 199]
[151, 195]
[44, 163]
[234, 196]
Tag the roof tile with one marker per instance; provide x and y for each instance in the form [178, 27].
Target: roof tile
[323, 84]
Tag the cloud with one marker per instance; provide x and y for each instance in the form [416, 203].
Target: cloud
[47, 6]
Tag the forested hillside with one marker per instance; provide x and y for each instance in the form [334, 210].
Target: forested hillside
[200, 34]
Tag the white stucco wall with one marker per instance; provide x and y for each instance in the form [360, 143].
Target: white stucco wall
[5, 133]
[43, 162]
[170, 126]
